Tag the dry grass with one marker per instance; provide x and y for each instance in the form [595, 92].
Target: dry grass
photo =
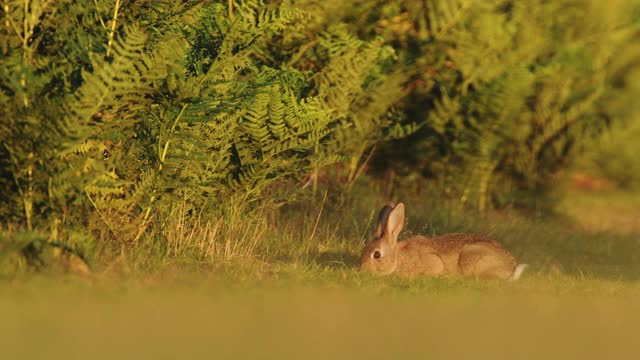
[230, 237]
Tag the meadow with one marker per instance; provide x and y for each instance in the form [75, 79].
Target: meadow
[318, 315]
[302, 296]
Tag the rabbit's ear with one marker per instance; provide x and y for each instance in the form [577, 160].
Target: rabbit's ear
[395, 222]
[382, 220]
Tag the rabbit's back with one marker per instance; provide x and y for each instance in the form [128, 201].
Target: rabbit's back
[456, 254]
[454, 242]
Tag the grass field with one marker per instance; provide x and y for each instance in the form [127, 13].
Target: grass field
[302, 297]
[314, 314]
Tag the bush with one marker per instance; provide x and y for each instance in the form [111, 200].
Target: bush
[614, 156]
[117, 115]
[114, 114]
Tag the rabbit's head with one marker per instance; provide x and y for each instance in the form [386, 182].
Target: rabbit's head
[380, 256]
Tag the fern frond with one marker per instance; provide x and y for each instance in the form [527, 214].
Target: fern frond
[109, 80]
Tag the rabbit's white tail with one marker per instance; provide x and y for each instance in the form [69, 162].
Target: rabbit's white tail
[518, 272]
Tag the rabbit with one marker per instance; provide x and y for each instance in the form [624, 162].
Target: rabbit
[450, 255]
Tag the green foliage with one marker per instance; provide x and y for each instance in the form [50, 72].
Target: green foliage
[514, 89]
[114, 112]
[614, 156]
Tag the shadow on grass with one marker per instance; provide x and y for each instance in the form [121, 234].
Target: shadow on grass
[335, 260]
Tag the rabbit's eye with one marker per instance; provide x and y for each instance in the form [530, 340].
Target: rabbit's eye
[377, 254]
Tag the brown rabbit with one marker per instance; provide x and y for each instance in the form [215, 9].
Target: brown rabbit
[449, 255]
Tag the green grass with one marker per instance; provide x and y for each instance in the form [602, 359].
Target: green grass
[317, 314]
[292, 290]
[609, 211]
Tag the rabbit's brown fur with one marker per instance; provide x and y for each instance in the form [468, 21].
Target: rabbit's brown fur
[450, 255]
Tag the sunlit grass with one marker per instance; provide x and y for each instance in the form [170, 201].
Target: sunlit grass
[293, 290]
[605, 211]
[315, 313]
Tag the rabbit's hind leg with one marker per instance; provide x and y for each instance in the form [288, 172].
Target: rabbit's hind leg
[484, 260]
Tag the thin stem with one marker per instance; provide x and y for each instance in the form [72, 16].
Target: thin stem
[165, 148]
[361, 168]
[25, 26]
[353, 164]
[113, 27]
[95, 2]
[319, 214]
[301, 53]
[10, 24]
[25, 52]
